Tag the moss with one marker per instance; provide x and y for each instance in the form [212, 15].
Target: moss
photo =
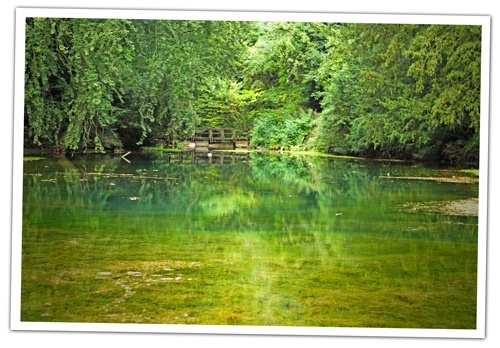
[179, 280]
[463, 207]
[474, 172]
[161, 149]
[32, 158]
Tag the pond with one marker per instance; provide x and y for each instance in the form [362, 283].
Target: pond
[247, 239]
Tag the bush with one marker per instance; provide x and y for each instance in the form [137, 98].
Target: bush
[275, 129]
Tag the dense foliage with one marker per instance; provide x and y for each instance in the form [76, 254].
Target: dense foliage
[402, 91]
[104, 82]
[376, 90]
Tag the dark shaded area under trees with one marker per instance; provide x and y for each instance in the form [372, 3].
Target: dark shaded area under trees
[372, 90]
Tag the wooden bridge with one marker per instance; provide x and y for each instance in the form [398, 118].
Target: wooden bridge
[205, 139]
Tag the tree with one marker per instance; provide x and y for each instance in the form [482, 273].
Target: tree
[100, 82]
[226, 103]
[175, 62]
[75, 70]
[281, 64]
[44, 83]
[389, 90]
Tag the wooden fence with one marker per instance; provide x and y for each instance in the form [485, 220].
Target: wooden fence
[205, 139]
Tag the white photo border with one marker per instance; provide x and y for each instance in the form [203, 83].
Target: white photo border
[22, 13]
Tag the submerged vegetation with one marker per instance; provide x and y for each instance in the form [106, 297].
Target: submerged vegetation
[268, 239]
[371, 90]
[464, 207]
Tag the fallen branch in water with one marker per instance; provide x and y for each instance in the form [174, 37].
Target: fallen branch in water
[123, 157]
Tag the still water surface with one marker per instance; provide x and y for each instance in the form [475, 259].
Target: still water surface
[245, 239]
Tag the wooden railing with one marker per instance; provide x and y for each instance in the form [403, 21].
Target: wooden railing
[219, 138]
[220, 135]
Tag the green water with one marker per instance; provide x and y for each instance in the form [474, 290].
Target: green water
[245, 239]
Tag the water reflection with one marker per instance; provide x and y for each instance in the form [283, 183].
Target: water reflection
[289, 237]
[282, 194]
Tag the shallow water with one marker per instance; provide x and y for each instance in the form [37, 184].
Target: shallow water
[245, 239]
